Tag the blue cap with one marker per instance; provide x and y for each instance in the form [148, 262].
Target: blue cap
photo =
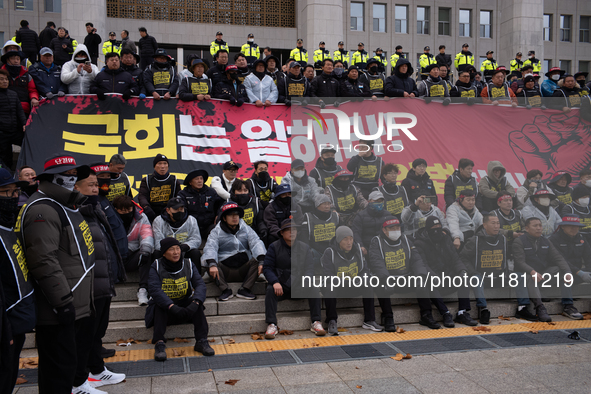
[7, 179]
[282, 189]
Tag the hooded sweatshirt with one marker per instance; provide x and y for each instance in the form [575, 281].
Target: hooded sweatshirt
[489, 186]
[78, 82]
[399, 83]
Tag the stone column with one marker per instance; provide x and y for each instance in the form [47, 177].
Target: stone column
[319, 21]
[521, 29]
[76, 13]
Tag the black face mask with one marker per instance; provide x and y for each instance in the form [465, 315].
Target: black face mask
[103, 186]
[329, 161]
[285, 200]
[240, 199]
[263, 176]
[126, 218]
[178, 216]
[341, 184]
[161, 64]
[92, 200]
[436, 234]
[30, 189]
[373, 70]
[8, 211]
[14, 70]
[234, 76]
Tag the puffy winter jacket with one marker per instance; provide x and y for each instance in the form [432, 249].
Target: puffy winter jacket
[325, 86]
[440, 256]
[460, 223]
[116, 225]
[147, 46]
[61, 55]
[489, 186]
[258, 89]
[548, 87]
[413, 218]
[24, 87]
[222, 245]
[29, 41]
[549, 224]
[46, 36]
[78, 82]
[399, 83]
[417, 186]
[187, 233]
[47, 79]
[140, 236]
[12, 116]
[303, 192]
[114, 81]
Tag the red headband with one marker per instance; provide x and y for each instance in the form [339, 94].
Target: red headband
[100, 168]
[391, 222]
[504, 197]
[58, 161]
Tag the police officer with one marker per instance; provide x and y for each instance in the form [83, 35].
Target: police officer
[319, 55]
[516, 63]
[111, 45]
[119, 185]
[156, 189]
[379, 56]
[535, 63]
[464, 58]
[299, 53]
[218, 44]
[395, 197]
[18, 301]
[250, 50]
[345, 197]
[64, 278]
[326, 166]
[488, 66]
[360, 57]
[341, 54]
[394, 58]
[425, 60]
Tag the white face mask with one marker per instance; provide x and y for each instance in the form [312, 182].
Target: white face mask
[555, 77]
[584, 201]
[545, 202]
[394, 235]
[299, 174]
[588, 183]
[251, 40]
[65, 181]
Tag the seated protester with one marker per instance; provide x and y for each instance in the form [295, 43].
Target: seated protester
[140, 242]
[158, 188]
[535, 255]
[196, 87]
[223, 184]
[129, 63]
[20, 81]
[437, 251]
[175, 222]
[279, 209]
[346, 198]
[464, 89]
[401, 83]
[233, 253]
[559, 185]
[120, 185]
[581, 79]
[201, 201]
[178, 294]
[463, 218]
[414, 215]
[230, 88]
[260, 87]
[319, 226]
[304, 189]
[308, 72]
[368, 222]
[393, 254]
[585, 178]
[532, 184]
[12, 120]
[325, 88]
[375, 77]
[17, 298]
[47, 75]
[530, 96]
[395, 197]
[497, 91]
[113, 79]
[539, 207]
[160, 78]
[476, 256]
[216, 73]
[494, 182]
[344, 257]
[572, 246]
[293, 86]
[353, 86]
[281, 275]
[366, 167]
[261, 184]
[186, 72]
[475, 79]
[570, 93]
[326, 166]
[271, 63]
[433, 86]
[444, 75]
[418, 182]
[511, 222]
[77, 74]
[242, 64]
[580, 206]
[252, 207]
[550, 84]
[108, 270]
[461, 180]
[29, 185]
[518, 85]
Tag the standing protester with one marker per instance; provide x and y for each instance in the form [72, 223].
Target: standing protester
[433, 85]
[196, 86]
[271, 63]
[464, 89]
[20, 81]
[217, 72]
[92, 42]
[443, 58]
[47, 76]
[113, 79]
[374, 78]
[50, 227]
[294, 85]
[62, 47]
[156, 189]
[12, 119]
[326, 86]
[299, 53]
[127, 43]
[79, 72]
[497, 90]
[218, 44]
[401, 83]
[549, 85]
[160, 78]
[29, 41]
[251, 50]
[129, 61]
[47, 34]
[17, 306]
[260, 87]
[147, 47]
[242, 64]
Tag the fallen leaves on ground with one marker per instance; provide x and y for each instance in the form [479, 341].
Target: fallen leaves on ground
[178, 353]
[21, 380]
[211, 340]
[504, 318]
[356, 367]
[358, 386]
[481, 328]
[149, 342]
[314, 344]
[231, 341]
[551, 323]
[286, 332]
[127, 342]
[400, 330]
[28, 363]
[400, 357]
[341, 329]
[210, 370]
[232, 382]
[269, 350]
[180, 340]
[256, 336]
[587, 316]
[533, 331]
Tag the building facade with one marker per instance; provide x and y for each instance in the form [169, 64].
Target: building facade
[559, 31]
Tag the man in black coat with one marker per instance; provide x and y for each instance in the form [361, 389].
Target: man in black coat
[216, 73]
[230, 88]
[418, 182]
[47, 35]
[29, 41]
[92, 42]
[47, 76]
[62, 47]
[147, 47]
[113, 79]
[443, 58]
[160, 78]
[12, 119]
[368, 222]
[129, 61]
[325, 86]
[572, 246]
[401, 84]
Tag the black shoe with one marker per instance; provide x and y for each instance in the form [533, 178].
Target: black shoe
[543, 315]
[226, 295]
[106, 353]
[427, 320]
[484, 316]
[525, 314]
[245, 293]
[389, 325]
[202, 346]
[160, 351]
[466, 319]
[448, 320]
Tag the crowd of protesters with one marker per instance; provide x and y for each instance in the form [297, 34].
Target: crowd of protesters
[73, 231]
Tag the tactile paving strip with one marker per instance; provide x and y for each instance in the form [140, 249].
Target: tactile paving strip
[531, 339]
[559, 325]
[443, 345]
[152, 367]
[198, 364]
[325, 354]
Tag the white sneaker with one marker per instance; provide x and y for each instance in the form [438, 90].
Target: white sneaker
[86, 388]
[104, 378]
[318, 329]
[272, 330]
[261, 278]
[142, 297]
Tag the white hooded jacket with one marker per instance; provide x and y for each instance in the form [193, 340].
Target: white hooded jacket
[78, 82]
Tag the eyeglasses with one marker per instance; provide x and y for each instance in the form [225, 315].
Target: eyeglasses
[233, 170]
[10, 193]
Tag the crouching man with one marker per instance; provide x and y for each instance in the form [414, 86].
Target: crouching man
[178, 293]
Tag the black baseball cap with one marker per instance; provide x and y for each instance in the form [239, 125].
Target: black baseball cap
[230, 164]
[175, 203]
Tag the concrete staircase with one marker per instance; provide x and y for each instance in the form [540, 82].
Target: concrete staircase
[239, 316]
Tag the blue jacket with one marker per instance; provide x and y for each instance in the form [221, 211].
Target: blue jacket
[47, 80]
[548, 87]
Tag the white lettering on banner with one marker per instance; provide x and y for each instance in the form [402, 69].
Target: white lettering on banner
[263, 148]
[189, 142]
[248, 129]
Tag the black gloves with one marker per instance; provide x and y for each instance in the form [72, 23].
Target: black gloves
[66, 314]
[239, 102]
[127, 94]
[179, 312]
[101, 95]
[192, 308]
[287, 103]
[232, 101]
[322, 104]
[336, 104]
